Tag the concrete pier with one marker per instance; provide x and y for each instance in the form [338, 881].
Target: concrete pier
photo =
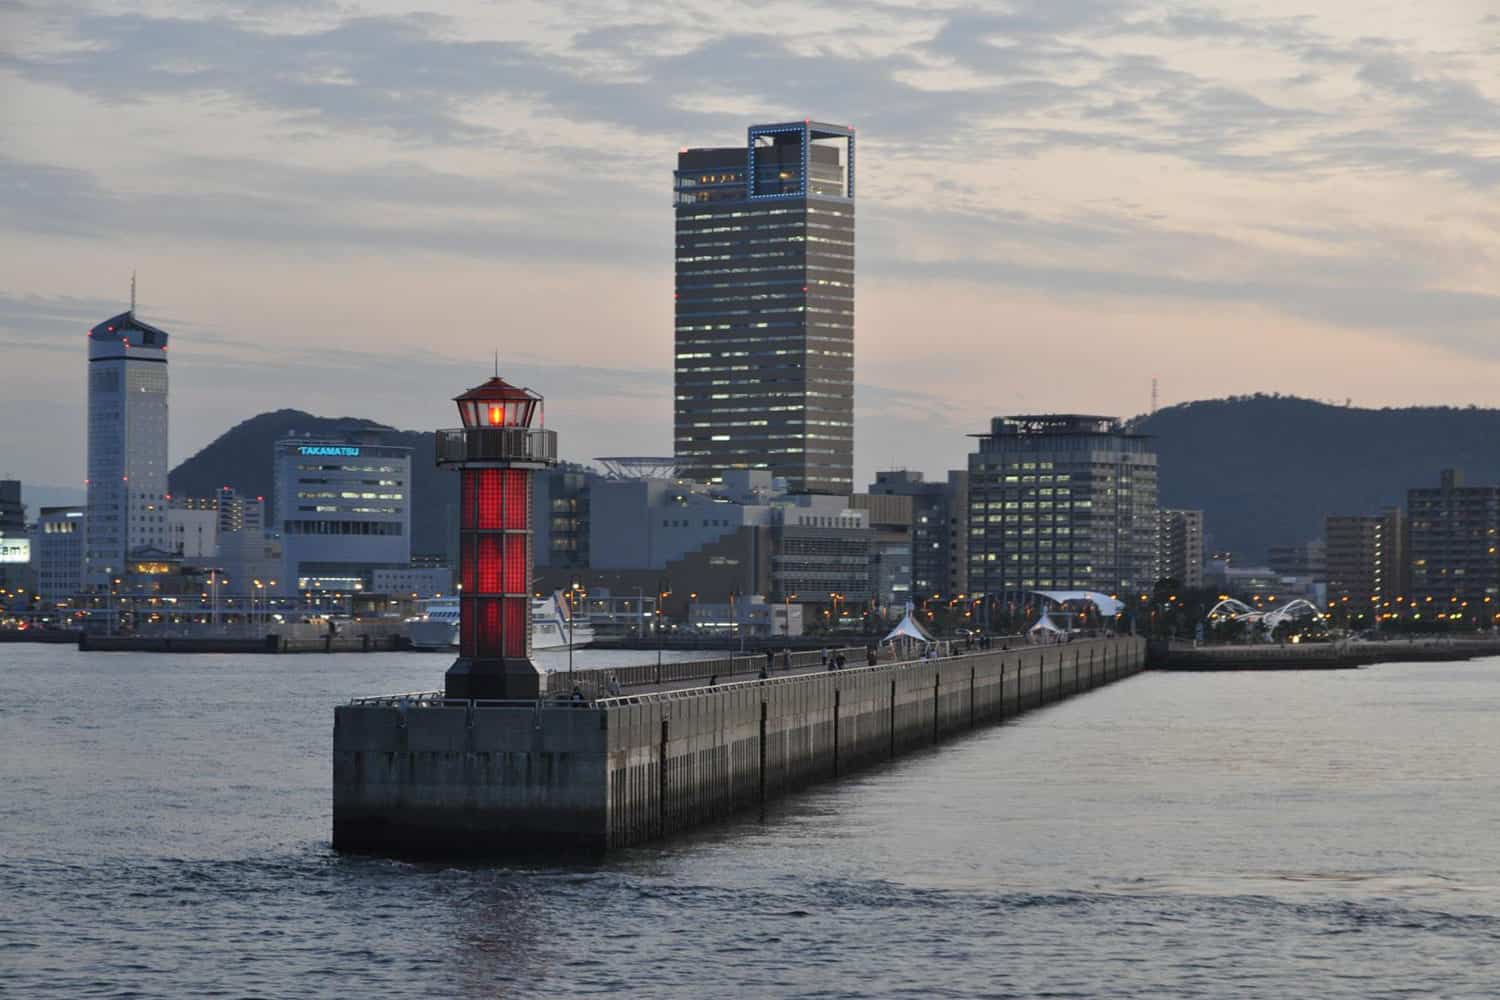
[425, 774]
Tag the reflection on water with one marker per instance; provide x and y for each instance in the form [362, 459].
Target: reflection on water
[164, 831]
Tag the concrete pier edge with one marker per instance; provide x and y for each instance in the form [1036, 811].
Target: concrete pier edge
[501, 778]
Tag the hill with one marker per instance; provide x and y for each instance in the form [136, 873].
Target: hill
[241, 458]
[1266, 469]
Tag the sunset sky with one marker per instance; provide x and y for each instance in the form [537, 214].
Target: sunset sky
[348, 207]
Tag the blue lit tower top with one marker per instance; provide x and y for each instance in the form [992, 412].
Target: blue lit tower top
[764, 373]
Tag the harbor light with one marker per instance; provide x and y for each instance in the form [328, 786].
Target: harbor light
[496, 451]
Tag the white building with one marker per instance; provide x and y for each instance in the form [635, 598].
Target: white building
[57, 552]
[127, 445]
[344, 510]
[194, 532]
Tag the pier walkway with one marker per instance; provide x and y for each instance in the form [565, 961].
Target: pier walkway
[426, 774]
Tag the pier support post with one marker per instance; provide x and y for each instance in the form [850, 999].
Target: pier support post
[893, 720]
[935, 702]
[661, 779]
[763, 756]
[837, 697]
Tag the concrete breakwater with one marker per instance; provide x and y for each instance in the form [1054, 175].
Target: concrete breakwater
[424, 774]
[1162, 655]
[283, 639]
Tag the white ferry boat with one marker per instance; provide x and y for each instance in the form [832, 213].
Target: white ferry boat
[438, 626]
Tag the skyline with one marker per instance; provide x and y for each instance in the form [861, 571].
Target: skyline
[1070, 192]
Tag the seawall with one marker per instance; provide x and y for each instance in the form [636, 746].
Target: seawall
[423, 774]
[1163, 655]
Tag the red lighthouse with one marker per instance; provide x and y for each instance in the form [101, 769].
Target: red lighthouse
[496, 450]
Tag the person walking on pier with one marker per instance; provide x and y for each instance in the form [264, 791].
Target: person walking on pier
[786, 660]
[614, 685]
[823, 657]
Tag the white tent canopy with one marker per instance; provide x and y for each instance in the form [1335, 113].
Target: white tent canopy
[1108, 606]
[908, 628]
[1046, 624]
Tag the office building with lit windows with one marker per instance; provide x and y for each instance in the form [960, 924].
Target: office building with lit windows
[764, 371]
[1454, 537]
[344, 510]
[127, 445]
[1365, 556]
[57, 553]
[1061, 502]
[1179, 547]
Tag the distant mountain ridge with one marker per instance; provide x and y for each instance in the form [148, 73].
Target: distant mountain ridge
[241, 458]
[1265, 469]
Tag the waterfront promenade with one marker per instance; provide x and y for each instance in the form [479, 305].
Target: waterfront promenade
[424, 774]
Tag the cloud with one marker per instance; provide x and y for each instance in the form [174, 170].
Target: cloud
[1139, 155]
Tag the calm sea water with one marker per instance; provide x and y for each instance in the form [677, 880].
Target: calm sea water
[164, 826]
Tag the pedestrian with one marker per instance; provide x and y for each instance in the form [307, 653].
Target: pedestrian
[714, 680]
[823, 657]
[614, 685]
[842, 661]
[871, 657]
[786, 659]
[770, 659]
[577, 694]
[763, 675]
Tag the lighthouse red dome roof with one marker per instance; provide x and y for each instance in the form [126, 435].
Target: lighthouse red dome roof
[497, 403]
[496, 389]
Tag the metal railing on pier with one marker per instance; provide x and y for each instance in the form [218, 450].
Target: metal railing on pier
[594, 688]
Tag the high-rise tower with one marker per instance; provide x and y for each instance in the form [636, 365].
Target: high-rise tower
[765, 307]
[127, 451]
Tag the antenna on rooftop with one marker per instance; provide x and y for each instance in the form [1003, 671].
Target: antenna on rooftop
[497, 364]
[1153, 393]
[132, 291]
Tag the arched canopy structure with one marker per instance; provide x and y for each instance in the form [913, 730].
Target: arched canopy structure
[1233, 610]
[1108, 606]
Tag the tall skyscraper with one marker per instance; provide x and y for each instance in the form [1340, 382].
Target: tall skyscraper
[127, 452]
[765, 307]
[1061, 502]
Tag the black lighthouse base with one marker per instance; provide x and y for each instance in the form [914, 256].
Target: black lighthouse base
[507, 678]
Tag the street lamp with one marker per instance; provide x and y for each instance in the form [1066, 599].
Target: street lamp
[573, 588]
[787, 601]
[663, 591]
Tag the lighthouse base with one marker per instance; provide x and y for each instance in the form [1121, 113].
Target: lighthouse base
[508, 679]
